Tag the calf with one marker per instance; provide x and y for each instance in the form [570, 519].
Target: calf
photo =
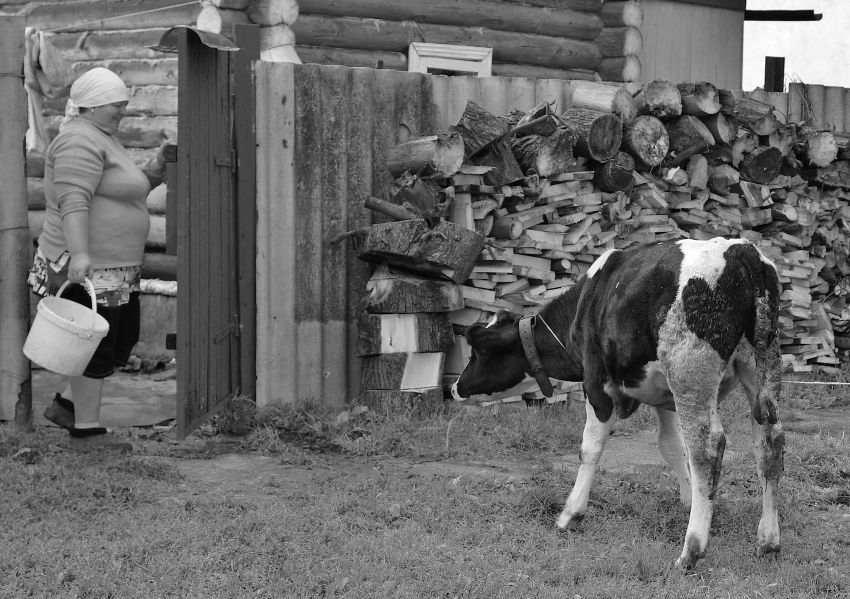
[675, 325]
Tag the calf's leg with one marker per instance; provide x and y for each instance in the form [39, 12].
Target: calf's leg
[694, 377]
[592, 445]
[672, 448]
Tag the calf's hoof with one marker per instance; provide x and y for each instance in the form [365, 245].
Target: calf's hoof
[569, 521]
[764, 549]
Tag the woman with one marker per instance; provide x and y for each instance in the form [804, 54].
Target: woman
[95, 226]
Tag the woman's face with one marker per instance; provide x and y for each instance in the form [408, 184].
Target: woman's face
[109, 115]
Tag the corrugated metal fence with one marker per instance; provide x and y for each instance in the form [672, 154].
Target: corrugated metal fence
[323, 134]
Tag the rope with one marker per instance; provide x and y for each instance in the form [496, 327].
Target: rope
[132, 14]
[813, 383]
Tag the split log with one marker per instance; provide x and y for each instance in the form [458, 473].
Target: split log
[622, 14]
[402, 333]
[721, 154]
[546, 155]
[620, 41]
[424, 198]
[646, 139]
[438, 155]
[617, 174]
[688, 136]
[506, 169]
[699, 99]
[817, 148]
[506, 227]
[762, 165]
[745, 143]
[447, 250]
[604, 98]
[408, 371]
[479, 127]
[598, 134]
[233, 4]
[754, 115]
[836, 174]
[698, 171]
[721, 177]
[783, 139]
[273, 12]
[722, 129]
[220, 20]
[783, 212]
[660, 99]
[388, 208]
[391, 291]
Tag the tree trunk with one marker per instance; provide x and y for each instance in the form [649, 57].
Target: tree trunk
[660, 99]
[440, 155]
[546, 155]
[402, 371]
[402, 333]
[620, 68]
[598, 134]
[688, 136]
[646, 140]
[699, 99]
[622, 14]
[762, 165]
[722, 129]
[391, 291]
[619, 41]
[617, 174]
[604, 98]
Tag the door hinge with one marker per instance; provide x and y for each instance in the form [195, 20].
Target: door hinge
[229, 161]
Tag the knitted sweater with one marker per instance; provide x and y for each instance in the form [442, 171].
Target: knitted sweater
[89, 170]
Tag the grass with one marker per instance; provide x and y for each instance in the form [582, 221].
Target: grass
[356, 508]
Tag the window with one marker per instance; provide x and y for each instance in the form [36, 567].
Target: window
[446, 59]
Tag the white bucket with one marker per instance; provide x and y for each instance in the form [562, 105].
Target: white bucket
[65, 334]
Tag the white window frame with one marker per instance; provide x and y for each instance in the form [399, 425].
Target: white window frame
[475, 60]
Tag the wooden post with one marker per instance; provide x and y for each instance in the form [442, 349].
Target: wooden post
[774, 73]
[15, 237]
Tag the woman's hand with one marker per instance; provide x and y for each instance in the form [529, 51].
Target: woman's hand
[79, 268]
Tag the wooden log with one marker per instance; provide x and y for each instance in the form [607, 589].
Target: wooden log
[604, 98]
[408, 371]
[783, 139]
[479, 127]
[505, 168]
[232, 4]
[836, 174]
[419, 403]
[556, 22]
[660, 99]
[746, 142]
[598, 134]
[646, 139]
[622, 14]
[425, 198]
[546, 155]
[698, 171]
[783, 212]
[396, 36]
[510, 69]
[276, 35]
[619, 41]
[402, 333]
[506, 227]
[220, 20]
[688, 136]
[447, 250]
[620, 68]
[583, 5]
[157, 233]
[100, 15]
[762, 165]
[437, 155]
[721, 177]
[699, 99]
[723, 130]
[389, 209]
[391, 291]
[817, 148]
[157, 265]
[273, 12]
[615, 175]
[754, 115]
[372, 59]
[35, 194]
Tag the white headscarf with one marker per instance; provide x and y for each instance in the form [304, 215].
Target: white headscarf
[96, 87]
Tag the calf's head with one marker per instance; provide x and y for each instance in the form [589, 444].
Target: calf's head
[497, 361]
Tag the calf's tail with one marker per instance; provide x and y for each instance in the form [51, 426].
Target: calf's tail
[766, 341]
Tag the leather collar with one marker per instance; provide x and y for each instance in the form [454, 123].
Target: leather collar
[526, 337]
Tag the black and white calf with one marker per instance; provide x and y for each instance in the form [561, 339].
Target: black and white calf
[674, 325]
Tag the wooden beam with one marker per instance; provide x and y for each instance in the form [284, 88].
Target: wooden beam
[782, 15]
[774, 73]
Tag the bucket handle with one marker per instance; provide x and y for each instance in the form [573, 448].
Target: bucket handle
[89, 287]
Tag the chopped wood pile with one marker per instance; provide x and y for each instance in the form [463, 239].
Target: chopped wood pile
[548, 191]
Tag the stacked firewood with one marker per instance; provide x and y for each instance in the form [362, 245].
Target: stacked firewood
[550, 190]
